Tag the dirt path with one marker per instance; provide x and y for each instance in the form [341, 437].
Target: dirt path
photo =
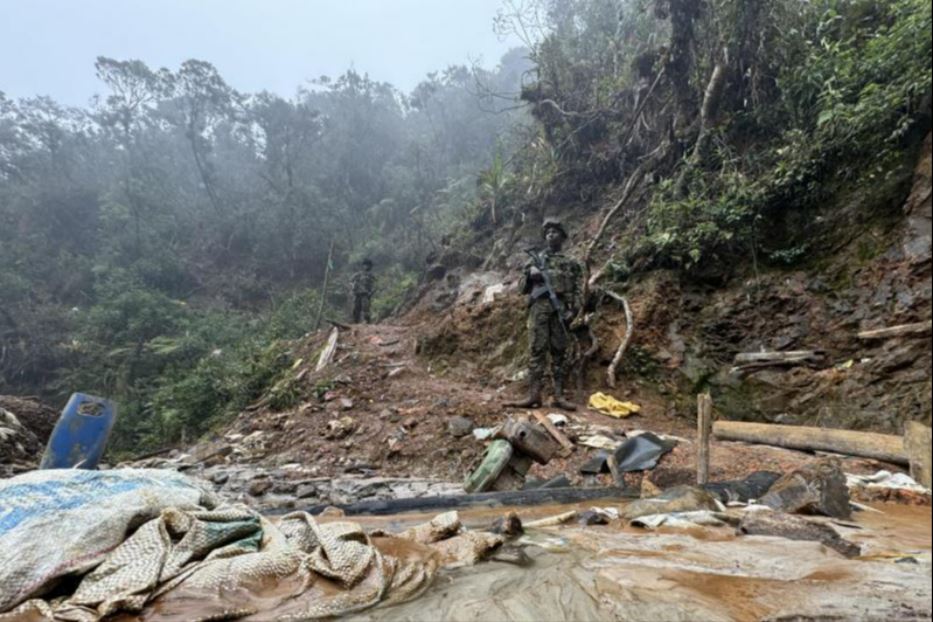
[379, 408]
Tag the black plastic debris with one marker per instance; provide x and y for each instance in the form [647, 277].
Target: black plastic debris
[744, 490]
[638, 453]
[642, 452]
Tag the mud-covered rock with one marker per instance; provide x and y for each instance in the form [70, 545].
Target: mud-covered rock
[677, 499]
[818, 487]
[508, 525]
[792, 527]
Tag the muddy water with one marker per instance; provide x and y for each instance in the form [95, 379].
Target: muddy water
[621, 573]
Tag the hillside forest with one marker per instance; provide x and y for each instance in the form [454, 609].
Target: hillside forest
[163, 245]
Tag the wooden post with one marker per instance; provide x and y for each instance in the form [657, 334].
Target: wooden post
[704, 427]
[320, 309]
[917, 443]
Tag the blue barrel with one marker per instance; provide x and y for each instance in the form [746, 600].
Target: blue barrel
[80, 436]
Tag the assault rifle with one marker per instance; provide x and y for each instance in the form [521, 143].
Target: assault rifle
[545, 286]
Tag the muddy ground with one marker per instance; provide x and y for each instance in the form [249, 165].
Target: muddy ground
[616, 572]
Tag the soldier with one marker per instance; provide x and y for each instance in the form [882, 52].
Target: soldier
[554, 284]
[362, 284]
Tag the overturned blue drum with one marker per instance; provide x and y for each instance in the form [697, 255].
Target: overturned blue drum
[80, 436]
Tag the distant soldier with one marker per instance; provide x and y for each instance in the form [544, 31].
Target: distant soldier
[362, 284]
[554, 285]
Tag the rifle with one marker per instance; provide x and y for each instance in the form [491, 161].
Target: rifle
[551, 296]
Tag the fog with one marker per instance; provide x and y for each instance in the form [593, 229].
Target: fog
[48, 47]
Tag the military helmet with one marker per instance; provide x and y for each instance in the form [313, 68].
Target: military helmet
[553, 223]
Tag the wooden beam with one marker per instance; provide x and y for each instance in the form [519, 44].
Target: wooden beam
[885, 447]
[558, 436]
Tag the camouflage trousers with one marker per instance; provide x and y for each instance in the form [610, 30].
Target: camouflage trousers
[545, 336]
[361, 308]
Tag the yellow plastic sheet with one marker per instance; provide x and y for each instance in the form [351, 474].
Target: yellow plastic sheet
[609, 405]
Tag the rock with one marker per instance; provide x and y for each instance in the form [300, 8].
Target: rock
[439, 528]
[593, 517]
[511, 555]
[459, 426]
[677, 499]
[259, 487]
[508, 525]
[409, 422]
[792, 527]
[306, 491]
[818, 487]
[648, 489]
[340, 428]
[220, 477]
[467, 548]
[332, 512]
[212, 454]
[346, 403]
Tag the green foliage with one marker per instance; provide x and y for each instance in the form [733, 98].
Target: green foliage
[392, 287]
[153, 246]
[848, 96]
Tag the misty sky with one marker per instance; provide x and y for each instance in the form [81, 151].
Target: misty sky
[48, 47]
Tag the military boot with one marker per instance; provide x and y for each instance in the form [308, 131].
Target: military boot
[559, 401]
[534, 396]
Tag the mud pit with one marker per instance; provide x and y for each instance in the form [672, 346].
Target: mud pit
[624, 573]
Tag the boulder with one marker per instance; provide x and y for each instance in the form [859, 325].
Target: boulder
[818, 487]
[764, 523]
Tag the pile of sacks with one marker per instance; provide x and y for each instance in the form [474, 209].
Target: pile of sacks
[140, 540]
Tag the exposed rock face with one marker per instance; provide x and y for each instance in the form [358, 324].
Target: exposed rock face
[918, 232]
[816, 488]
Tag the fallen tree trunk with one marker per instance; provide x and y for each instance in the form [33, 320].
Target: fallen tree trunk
[885, 447]
[536, 496]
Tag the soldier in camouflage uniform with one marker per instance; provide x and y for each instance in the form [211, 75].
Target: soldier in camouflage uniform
[362, 284]
[548, 328]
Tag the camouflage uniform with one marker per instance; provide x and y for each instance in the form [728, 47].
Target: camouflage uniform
[362, 285]
[545, 333]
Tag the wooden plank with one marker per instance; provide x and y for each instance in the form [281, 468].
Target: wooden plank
[917, 444]
[885, 447]
[704, 426]
[565, 443]
[901, 330]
